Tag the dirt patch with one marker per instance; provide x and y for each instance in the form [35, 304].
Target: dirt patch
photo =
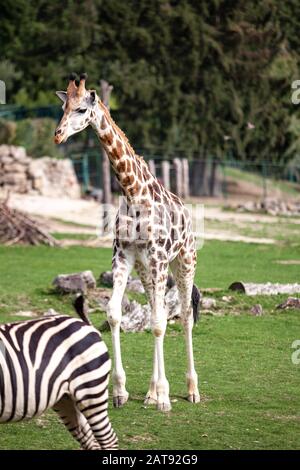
[288, 261]
[217, 213]
[139, 438]
[290, 418]
[77, 211]
[233, 237]
[25, 314]
[55, 226]
[79, 216]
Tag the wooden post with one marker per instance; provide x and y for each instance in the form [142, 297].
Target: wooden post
[165, 165]
[106, 90]
[152, 167]
[185, 178]
[178, 176]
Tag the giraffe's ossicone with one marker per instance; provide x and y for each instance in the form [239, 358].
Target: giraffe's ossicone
[153, 231]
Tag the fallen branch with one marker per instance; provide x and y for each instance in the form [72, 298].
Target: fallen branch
[18, 228]
[268, 288]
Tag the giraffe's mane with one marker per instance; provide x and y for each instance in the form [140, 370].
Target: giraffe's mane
[117, 128]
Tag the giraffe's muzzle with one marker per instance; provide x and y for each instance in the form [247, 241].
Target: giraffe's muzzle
[58, 136]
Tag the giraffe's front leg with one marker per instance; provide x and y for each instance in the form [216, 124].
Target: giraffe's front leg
[122, 265]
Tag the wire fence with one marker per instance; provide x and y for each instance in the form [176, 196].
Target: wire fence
[207, 177]
[17, 113]
[224, 177]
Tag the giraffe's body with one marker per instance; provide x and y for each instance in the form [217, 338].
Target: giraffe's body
[153, 231]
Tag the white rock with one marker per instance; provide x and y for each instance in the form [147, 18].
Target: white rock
[207, 303]
[54, 178]
[136, 318]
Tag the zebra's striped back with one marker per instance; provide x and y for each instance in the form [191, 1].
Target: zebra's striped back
[44, 361]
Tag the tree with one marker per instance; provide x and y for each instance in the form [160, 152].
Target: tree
[201, 77]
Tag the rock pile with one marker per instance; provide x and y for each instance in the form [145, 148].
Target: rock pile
[75, 282]
[290, 302]
[14, 166]
[45, 176]
[270, 206]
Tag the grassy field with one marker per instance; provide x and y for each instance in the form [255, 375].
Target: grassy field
[250, 388]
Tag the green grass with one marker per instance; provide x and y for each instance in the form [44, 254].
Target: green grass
[72, 236]
[249, 386]
[282, 231]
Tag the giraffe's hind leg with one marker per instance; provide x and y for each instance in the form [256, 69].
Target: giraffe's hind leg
[76, 423]
[151, 396]
[183, 268]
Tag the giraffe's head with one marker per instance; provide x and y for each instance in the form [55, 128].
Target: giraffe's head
[79, 107]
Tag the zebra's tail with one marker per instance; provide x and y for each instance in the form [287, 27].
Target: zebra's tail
[81, 306]
[196, 303]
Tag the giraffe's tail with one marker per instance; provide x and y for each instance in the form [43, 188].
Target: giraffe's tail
[196, 303]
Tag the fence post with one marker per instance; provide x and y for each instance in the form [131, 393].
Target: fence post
[224, 185]
[152, 167]
[178, 176]
[264, 175]
[185, 178]
[166, 174]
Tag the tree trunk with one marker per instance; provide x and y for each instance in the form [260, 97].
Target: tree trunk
[215, 184]
[198, 178]
[212, 179]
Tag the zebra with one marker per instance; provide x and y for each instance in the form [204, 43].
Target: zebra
[58, 362]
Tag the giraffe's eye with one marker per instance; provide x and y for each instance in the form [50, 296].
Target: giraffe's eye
[81, 111]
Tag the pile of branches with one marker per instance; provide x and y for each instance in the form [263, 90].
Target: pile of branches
[18, 228]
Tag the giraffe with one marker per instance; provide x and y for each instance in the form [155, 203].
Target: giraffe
[153, 231]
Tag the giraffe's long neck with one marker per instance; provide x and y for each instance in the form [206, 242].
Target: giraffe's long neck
[131, 170]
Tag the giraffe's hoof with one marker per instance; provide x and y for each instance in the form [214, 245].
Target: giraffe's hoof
[164, 407]
[194, 398]
[150, 400]
[119, 400]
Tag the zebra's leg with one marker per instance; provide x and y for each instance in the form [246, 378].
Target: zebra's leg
[146, 279]
[76, 423]
[183, 269]
[94, 408]
[122, 264]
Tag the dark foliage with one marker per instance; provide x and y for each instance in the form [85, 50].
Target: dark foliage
[191, 75]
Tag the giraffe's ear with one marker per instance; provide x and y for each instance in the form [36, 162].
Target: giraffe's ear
[93, 96]
[62, 95]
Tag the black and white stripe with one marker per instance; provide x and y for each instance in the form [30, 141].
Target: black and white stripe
[62, 363]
